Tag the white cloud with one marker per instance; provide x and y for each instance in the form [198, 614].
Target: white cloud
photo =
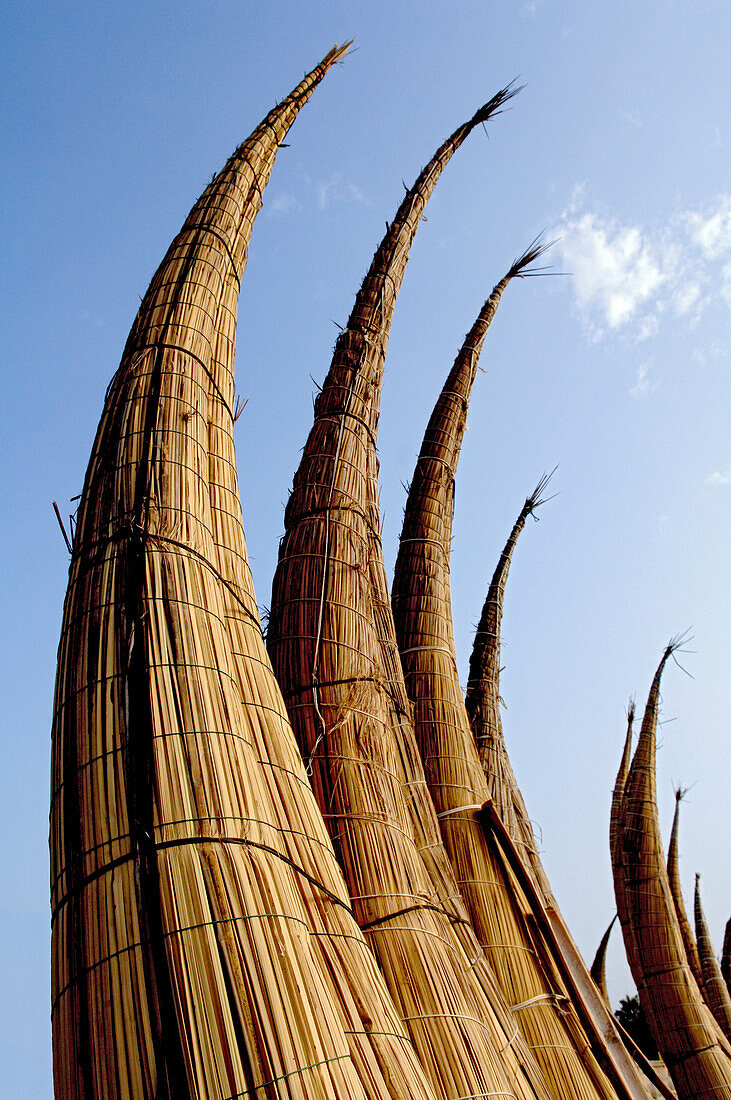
[720, 477]
[338, 189]
[615, 268]
[633, 117]
[626, 277]
[642, 385]
[710, 230]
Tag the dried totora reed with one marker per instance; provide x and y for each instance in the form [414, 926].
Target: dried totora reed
[483, 700]
[726, 955]
[325, 641]
[715, 993]
[691, 948]
[688, 1038]
[500, 912]
[187, 942]
[598, 969]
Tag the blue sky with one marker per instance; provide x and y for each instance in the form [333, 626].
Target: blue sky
[114, 119]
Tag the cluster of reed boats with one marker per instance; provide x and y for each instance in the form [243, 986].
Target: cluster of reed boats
[300, 865]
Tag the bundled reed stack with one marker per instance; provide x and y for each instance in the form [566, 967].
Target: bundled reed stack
[695, 1052]
[375, 1033]
[691, 948]
[715, 992]
[187, 945]
[324, 636]
[501, 913]
[598, 969]
[483, 702]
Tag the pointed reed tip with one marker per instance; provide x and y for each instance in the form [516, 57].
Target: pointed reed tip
[677, 645]
[537, 498]
[496, 105]
[537, 248]
[631, 708]
[337, 53]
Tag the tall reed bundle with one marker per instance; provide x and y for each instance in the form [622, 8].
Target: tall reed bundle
[618, 794]
[372, 1026]
[726, 955]
[483, 701]
[687, 1036]
[598, 969]
[715, 992]
[185, 953]
[422, 612]
[691, 948]
[483, 707]
[324, 638]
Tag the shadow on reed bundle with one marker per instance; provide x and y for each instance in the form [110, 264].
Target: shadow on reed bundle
[502, 915]
[692, 1046]
[324, 636]
[691, 948]
[715, 993]
[188, 949]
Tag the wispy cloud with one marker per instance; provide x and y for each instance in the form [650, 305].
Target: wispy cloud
[634, 118]
[282, 204]
[338, 190]
[719, 477]
[626, 276]
[643, 384]
[710, 229]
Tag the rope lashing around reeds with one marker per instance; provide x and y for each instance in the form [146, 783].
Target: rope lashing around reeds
[285, 1076]
[560, 1001]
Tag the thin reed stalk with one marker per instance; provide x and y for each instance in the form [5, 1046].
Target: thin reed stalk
[687, 1036]
[324, 638]
[691, 948]
[598, 969]
[186, 952]
[726, 955]
[483, 700]
[715, 992]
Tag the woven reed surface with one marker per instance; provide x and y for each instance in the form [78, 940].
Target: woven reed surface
[422, 613]
[715, 992]
[187, 949]
[372, 1026]
[692, 1046]
[691, 948]
[324, 637]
